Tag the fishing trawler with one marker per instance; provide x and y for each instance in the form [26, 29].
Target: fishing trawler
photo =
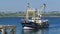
[36, 21]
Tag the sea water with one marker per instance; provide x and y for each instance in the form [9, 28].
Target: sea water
[54, 25]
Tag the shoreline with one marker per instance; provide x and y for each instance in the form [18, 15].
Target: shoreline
[24, 16]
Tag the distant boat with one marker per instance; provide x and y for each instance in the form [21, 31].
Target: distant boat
[36, 22]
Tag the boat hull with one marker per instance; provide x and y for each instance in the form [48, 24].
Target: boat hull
[27, 28]
[33, 25]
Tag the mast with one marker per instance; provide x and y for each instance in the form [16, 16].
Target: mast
[29, 10]
[42, 8]
[28, 7]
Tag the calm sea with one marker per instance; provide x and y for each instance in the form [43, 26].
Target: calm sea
[54, 25]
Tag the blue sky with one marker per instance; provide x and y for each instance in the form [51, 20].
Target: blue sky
[21, 5]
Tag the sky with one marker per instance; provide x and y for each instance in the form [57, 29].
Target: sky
[21, 5]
